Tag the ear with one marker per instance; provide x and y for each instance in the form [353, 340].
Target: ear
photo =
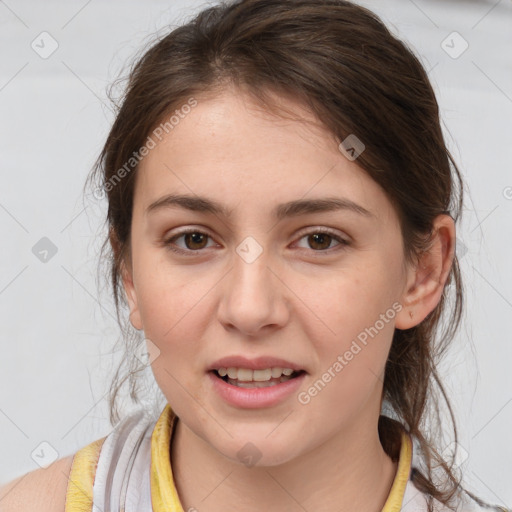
[426, 279]
[125, 267]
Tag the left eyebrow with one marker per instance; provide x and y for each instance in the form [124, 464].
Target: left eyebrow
[281, 211]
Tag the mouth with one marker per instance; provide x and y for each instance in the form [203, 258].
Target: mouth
[246, 378]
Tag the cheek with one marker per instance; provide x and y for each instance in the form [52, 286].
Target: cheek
[352, 358]
[172, 311]
[357, 324]
[176, 309]
[167, 294]
[349, 301]
[173, 316]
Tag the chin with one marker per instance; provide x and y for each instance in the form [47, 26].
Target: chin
[259, 451]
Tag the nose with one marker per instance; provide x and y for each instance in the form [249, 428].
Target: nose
[254, 298]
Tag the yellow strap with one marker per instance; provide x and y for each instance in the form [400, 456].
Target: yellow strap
[79, 494]
[165, 497]
[396, 495]
[163, 492]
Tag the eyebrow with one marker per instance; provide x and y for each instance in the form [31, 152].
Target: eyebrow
[281, 211]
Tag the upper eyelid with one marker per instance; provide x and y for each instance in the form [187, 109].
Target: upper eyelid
[302, 233]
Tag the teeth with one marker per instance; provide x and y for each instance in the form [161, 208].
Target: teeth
[248, 375]
[232, 373]
[255, 384]
[276, 372]
[257, 375]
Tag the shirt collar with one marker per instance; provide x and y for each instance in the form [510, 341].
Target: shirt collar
[165, 496]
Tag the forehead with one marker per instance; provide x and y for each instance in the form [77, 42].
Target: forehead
[230, 149]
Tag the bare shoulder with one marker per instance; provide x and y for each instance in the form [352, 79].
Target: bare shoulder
[43, 490]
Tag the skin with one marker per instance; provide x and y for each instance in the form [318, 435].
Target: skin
[298, 300]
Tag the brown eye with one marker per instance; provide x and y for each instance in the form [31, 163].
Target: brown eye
[193, 239]
[319, 240]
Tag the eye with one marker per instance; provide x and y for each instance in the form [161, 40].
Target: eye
[196, 240]
[320, 239]
[193, 238]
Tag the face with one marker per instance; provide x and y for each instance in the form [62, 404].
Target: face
[318, 288]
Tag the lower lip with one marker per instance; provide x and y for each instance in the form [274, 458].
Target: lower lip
[253, 398]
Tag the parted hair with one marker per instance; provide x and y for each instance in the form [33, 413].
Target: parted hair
[341, 62]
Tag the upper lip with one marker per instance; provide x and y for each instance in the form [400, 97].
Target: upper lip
[259, 363]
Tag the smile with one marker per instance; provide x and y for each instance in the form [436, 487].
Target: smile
[249, 392]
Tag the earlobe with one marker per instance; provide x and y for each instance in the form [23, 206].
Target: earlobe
[425, 282]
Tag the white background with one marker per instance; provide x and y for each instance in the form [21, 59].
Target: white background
[58, 330]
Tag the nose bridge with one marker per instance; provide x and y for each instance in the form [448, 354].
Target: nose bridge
[252, 299]
[251, 274]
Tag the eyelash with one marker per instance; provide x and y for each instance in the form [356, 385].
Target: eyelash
[325, 231]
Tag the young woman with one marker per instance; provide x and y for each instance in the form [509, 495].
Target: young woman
[281, 214]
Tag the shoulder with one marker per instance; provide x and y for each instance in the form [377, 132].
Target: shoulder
[69, 479]
[43, 489]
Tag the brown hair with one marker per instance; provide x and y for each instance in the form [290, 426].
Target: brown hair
[340, 61]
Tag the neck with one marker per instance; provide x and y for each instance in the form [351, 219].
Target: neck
[351, 472]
